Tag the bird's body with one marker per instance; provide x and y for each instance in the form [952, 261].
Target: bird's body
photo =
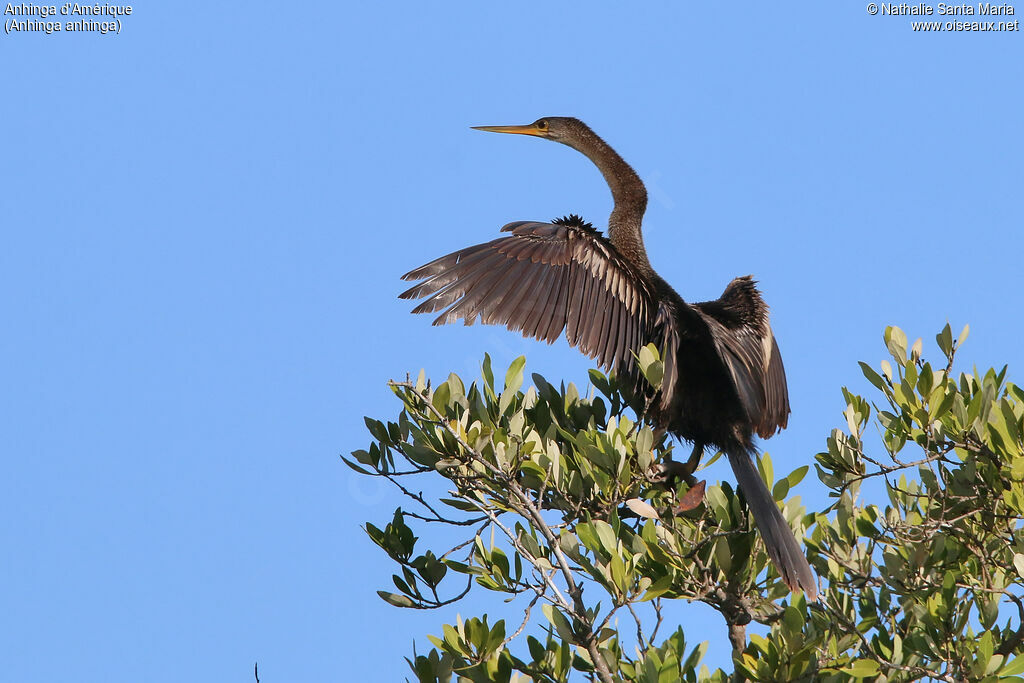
[724, 380]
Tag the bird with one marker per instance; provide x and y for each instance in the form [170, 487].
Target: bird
[724, 380]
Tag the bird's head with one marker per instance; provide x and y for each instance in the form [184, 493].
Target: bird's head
[564, 129]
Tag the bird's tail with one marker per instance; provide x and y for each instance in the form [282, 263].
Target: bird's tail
[778, 537]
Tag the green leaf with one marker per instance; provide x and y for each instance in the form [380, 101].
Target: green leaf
[985, 650]
[514, 376]
[717, 500]
[896, 341]
[698, 654]
[873, 376]
[723, 554]
[963, 336]
[648, 354]
[764, 467]
[396, 599]
[655, 373]
[487, 373]
[780, 490]
[377, 429]
[945, 340]
[1013, 668]
[440, 398]
[599, 381]
[793, 621]
[559, 621]
[420, 454]
[587, 535]
[642, 508]
[605, 535]
[1018, 564]
[537, 650]
[797, 475]
[354, 466]
[862, 668]
[507, 397]
[915, 350]
[651, 366]
[887, 370]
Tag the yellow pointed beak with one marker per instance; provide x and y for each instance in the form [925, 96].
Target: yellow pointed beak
[529, 129]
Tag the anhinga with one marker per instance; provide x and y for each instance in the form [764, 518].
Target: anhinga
[723, 381]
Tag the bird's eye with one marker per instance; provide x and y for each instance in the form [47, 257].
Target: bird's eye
[542, 124]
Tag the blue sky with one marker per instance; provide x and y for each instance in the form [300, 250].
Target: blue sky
[204, 219]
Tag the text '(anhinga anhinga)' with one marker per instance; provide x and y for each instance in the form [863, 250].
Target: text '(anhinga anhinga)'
[723, 381]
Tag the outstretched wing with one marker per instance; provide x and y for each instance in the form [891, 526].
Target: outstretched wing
[738, 322]
[541, 280]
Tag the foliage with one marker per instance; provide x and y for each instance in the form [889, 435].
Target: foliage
[556, 501]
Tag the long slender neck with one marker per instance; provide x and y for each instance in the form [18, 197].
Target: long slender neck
[628, 194]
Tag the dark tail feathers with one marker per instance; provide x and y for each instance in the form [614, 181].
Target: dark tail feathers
[778, 537]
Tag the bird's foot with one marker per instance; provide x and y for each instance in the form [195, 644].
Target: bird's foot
[671, 471]
[693, 462]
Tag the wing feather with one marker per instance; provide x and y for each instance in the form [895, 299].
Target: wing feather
[738, 323]
[554, 321]
[520, 280]
[543, 279]
[584, 284]
[504, 296]
[537, 298]
[573, 308]
[444, 264]
[612, 309]
[776, 415]
[598, 331]
[475, 291]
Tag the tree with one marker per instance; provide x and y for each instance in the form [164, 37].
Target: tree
[555, 500]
